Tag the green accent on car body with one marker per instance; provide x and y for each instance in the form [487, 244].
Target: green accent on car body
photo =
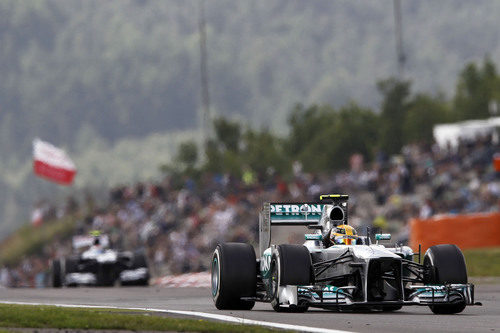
[265, 266]
[313, 236]
[428, 293]
[215, 277]
[328, 292]
[382, 236]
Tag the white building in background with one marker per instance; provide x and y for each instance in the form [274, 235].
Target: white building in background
[450, 134]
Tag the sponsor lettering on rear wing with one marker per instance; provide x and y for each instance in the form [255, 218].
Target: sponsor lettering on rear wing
[295, 213]
[286, 214]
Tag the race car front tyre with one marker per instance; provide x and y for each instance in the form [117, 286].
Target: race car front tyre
[56, 273]
[70, 266]
[290, 265]
[233, 276]
[445, 264]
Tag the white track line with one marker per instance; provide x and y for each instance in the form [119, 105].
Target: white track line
[229, 319]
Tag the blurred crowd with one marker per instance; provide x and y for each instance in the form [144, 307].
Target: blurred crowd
[179, 228]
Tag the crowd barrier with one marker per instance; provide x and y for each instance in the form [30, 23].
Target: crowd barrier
[200, 280]
[466, 231]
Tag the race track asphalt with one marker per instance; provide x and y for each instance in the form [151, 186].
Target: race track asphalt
[484, 318]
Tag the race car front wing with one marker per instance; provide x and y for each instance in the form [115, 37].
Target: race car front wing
[342, 296]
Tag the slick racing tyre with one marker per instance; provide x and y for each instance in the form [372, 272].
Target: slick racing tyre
[70, 266]
[290, 265]
[233, 276]
[56, 273]
[445, 264]
[139, 261]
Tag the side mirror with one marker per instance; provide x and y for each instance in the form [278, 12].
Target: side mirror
[382, 237]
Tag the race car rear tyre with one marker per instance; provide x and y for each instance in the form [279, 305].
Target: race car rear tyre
[233, 276]
[139, 260]
[290, 265]
[445, 264]
[56, 273]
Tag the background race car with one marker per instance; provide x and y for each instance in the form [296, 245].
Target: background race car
[95, 264]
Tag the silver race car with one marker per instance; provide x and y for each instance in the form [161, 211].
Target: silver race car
[95, 264]
[335, 268]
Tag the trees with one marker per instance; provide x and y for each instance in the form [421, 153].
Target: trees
[223, 150]
[187, 154]
[228, 134]
[234, 149]
[476, 88]
[394, 108]
[323, 138]
[320, 137]
[264, 153]
[423, 113]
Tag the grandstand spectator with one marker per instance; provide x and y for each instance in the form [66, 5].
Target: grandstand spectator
[179, 227]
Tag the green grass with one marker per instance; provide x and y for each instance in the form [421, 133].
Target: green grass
[483, 262]
[29, 240]
[32, 316]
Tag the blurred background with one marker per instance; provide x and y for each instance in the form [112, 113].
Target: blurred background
[183, 117]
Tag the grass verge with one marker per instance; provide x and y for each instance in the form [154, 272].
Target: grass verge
[483, 262]
[29, 239]
[32, 316]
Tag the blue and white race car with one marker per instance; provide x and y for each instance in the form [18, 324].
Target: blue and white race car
[95, 264]
[335, 268]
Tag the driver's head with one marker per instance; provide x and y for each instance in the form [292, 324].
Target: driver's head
[343, 234]
[97, 237]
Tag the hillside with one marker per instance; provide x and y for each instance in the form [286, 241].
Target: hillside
[130, 68]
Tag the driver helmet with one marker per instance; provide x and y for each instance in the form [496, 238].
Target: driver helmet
[343, 234]
[96, 242]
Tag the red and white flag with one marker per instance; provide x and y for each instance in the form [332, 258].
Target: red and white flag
[52, 163]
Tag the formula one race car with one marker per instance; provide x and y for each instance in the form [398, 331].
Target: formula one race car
[335, 268]
[99, 265]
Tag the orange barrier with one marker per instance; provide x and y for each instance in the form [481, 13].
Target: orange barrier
[496, 162]
[466, 231]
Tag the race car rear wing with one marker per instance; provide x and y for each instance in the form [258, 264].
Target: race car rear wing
[81, 241]
[295, 214]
